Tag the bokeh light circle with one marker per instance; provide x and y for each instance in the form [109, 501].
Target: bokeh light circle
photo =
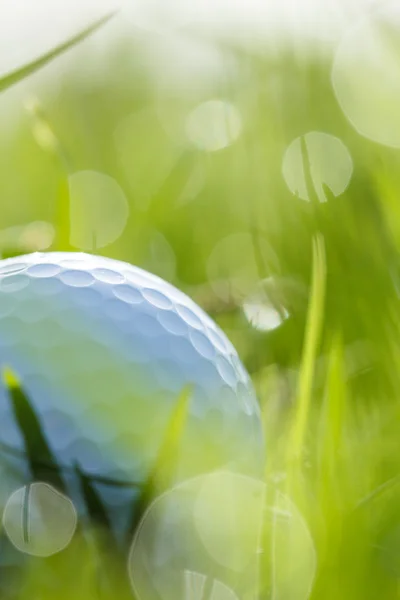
[264, 308]
[39, 520]
[233, 268]
[99, 210]
[213, 125]
[366, 75]
[225, 528]
[315, 163]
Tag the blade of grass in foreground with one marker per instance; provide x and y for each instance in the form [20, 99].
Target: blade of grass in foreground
[332, 418]
[162, 474]
[312, 340]
[23, 72]
[96, 510]
[101, 542]
[37, 448]
[331, 485]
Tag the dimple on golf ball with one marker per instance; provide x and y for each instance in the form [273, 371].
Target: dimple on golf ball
[103, 351]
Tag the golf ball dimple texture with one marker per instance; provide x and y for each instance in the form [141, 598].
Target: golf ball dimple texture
[103, 350]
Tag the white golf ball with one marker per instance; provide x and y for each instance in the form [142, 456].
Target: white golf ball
[103, 350]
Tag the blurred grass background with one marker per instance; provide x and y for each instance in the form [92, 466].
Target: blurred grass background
[215, 223]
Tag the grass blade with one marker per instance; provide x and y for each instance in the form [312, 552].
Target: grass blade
[36, 446]
[312, 340]
[94, 505]
[332, 416]
[379, 492]
[23, 72]
[162, 474]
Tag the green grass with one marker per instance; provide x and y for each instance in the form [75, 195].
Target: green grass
[328, 378]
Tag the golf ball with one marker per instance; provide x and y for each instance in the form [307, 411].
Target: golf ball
[103, 351]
